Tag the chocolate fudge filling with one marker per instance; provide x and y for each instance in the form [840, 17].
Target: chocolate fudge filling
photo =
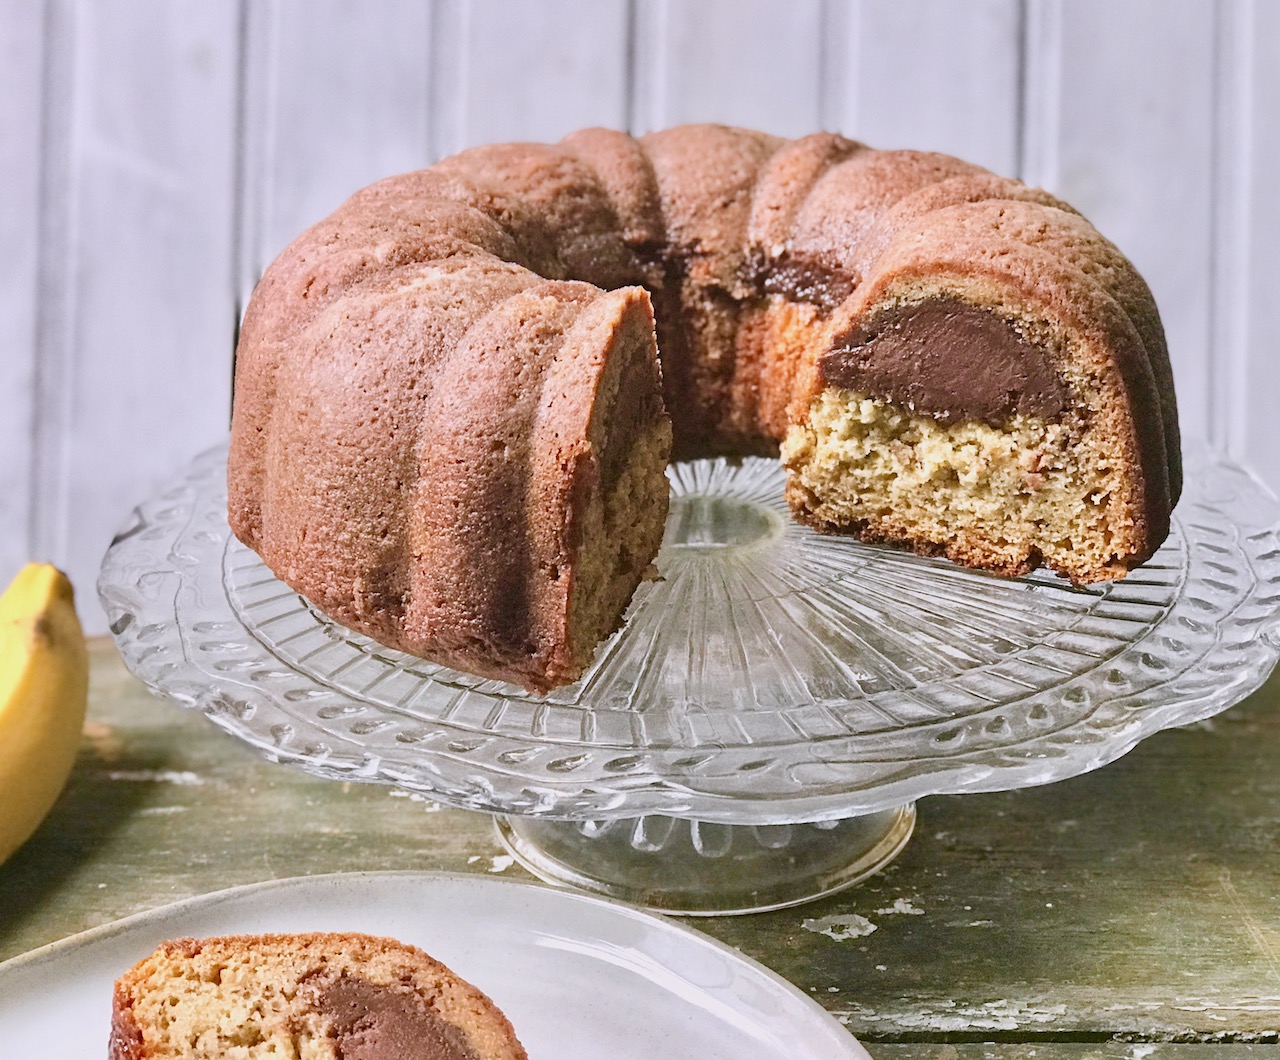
[950, 360]
[799, 278]
[371, 1022]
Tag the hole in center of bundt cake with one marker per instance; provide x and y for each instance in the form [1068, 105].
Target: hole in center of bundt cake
[703, 521]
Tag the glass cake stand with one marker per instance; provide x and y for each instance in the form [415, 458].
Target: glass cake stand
[758, 732]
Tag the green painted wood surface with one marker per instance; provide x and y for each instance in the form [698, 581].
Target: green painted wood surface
[1137, 904]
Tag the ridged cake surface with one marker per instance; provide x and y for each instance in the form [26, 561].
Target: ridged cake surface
[455, 397]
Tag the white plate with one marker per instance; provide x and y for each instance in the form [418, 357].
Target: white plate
[578, 977]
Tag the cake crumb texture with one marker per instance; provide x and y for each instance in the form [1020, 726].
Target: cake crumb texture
[1000, 498]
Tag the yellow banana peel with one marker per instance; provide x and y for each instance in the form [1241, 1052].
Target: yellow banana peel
[44, 687]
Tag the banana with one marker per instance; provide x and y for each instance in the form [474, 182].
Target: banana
[44, 687]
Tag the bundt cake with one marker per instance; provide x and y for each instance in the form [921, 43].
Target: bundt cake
[311, 996]
[451, 426]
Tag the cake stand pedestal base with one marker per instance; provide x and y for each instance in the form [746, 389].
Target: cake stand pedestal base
[701, 868]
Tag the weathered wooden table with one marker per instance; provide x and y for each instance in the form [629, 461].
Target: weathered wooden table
[1131, 912]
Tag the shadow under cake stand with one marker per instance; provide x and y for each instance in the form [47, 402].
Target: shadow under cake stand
[758, 732]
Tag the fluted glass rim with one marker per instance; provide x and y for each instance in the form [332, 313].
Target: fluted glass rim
[202, 621]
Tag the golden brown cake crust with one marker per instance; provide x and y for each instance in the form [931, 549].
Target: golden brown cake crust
[399, 457]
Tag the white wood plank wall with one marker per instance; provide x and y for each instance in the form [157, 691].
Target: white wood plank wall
[155, 155]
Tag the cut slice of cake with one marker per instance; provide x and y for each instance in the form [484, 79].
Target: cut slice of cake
[306, 996]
